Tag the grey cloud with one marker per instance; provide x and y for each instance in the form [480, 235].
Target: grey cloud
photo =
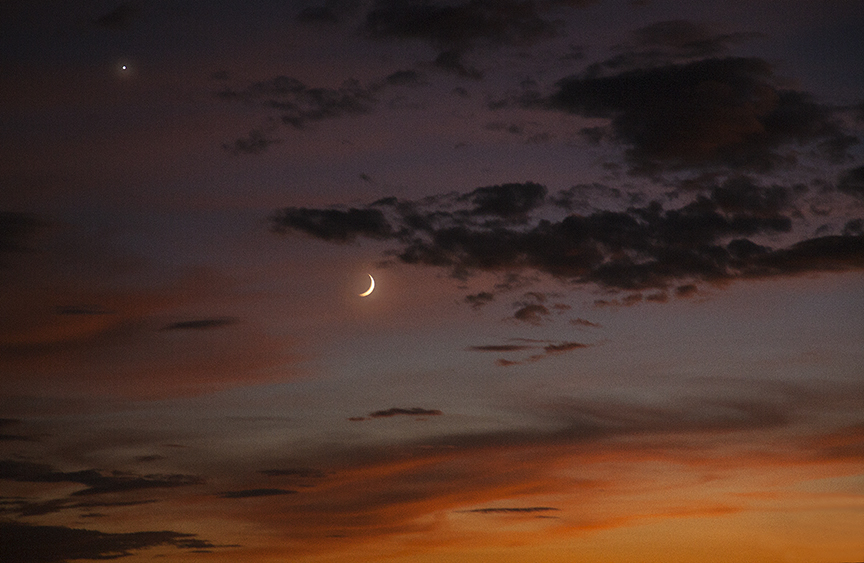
[583, 322]
[333, 224]
[295, 104]
[501, 348]
[507, 200]
[706, 112]
[479, 299]
[460, 25]
[4, 422]
[852, 182]
[254, 493]
[120, 17]
[202, 324]
[396, 411]
[520, 510]
[299, 472]
[96, 481]
[531, 314]
[256, 142]
[16, 232]
[713, 238]
[24, 543]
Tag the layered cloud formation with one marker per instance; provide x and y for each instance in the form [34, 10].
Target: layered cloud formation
[716, 237]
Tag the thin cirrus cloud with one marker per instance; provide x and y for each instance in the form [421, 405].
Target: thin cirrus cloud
[376, 492]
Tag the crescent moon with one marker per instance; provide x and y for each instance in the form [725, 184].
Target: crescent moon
[371, 286]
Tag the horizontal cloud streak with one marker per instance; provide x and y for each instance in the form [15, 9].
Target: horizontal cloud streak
[710, 239]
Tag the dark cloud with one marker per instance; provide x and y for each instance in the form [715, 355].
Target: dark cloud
[149, 458]
[256, 142]
[854, 227]
[96, 481]
[545, 347]
[317, 14]
[461, 25]
[120, 17]
[526, 510]
[333, 224]
[39, 508]
[685, 290]
[479, 299]
[501, 348]
[531, 314]
[81, 310]
[396, 411]
[299, 472]
[202, 324]
[580, 196]
[403, 78]
[17, 231]
[852, 182]
[679, 39]
[296, 104]
[4, 422]
[563, 347]
[583, 322]
[453, 62]
[713, 237]
[509, 201]
[24, 543]
[253, 493]
[712, 111]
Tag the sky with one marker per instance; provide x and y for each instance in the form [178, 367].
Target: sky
[618, 256]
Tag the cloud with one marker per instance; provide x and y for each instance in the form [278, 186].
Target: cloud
[202, 324]
[547, 349]
[296, 105]
[256, 142]
[669, 41]
[53, 506]
[712, 237]
[120, 17]
[254, 493]
[461, 25]
[16, 232]
[508, 201]
[501, 348]
[477, 300]
[852, 182]
[396, 411]
[525, 510]
[4, 422]
[717, 430]
[332, 224]
[300, 472]
[563, 347]
[149, 458]
[25, 543]
[531, 314]
[95, 481]
[583, 322]
[716, 111]
[317, 14]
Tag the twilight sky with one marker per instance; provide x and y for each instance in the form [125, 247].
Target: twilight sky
[618, 248]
